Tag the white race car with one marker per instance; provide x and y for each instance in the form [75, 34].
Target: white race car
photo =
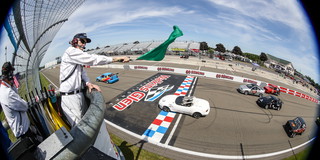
[193, 106]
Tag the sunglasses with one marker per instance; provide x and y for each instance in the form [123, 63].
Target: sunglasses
[83, 41]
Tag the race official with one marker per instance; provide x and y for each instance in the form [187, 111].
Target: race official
[14, 107]
[72, 75]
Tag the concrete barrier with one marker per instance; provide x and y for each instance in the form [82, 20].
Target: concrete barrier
[215, 75]
[86, 131]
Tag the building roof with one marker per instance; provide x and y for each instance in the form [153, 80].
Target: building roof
[279, 60]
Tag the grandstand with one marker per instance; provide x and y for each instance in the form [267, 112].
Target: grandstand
[177, 47]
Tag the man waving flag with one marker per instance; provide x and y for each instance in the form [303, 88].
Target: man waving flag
[157, 54]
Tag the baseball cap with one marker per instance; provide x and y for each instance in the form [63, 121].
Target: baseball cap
[7, 68]
[82, 36]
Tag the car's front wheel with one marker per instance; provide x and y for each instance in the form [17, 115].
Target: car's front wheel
[279, 108]
[292, 135]
[196, 115]
[246, 93]
[266, 106]
[260, 95]
[165, 108]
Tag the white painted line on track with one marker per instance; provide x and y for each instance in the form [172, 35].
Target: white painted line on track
[173, 130]
[49, 80]
[180, 115]
[207, 155]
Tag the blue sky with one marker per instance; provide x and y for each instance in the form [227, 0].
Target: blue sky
[276, 27]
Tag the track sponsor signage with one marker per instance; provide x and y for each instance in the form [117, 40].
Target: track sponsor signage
[141, 67]
[195, 72]
[249, 81]
[135, 108]
[138, 95]
[223, 76]
[165, 69]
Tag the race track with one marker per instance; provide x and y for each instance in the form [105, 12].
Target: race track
[236, 125]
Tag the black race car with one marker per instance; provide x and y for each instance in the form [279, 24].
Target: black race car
[270, 102]
[295, 126]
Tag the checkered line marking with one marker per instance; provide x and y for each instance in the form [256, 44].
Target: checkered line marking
[160, 125]
[185, 85]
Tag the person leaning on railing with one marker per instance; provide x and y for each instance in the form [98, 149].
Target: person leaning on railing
[72, 75]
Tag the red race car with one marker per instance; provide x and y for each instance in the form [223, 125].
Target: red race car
[272, 89]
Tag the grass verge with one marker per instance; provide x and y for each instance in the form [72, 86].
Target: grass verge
[133, 151]
[301, 155]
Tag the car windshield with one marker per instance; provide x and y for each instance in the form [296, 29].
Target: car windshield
[250, 85]
[179, 100]
[297, 122]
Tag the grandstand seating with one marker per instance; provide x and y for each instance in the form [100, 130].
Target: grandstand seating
[130, 48]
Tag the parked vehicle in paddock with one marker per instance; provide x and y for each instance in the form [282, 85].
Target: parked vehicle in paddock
[185, 56]
[272, 89]
[108, 78]
[271, 102]
[252, 89]
[295, 126]
[193, 106]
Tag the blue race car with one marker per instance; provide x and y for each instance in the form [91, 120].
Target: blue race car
[108, 78]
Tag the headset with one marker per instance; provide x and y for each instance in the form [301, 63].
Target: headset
[75, 41]
[7, 71]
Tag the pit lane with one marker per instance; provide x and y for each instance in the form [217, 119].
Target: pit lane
[235, 125]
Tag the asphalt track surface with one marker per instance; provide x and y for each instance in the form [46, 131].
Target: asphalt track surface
[236, 125]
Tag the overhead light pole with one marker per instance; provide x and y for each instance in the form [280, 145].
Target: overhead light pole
[5, 53]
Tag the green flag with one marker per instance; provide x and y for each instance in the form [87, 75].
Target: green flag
[157, 54]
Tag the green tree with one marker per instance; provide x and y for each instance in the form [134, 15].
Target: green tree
[251, 56]
[220, 48]
[210, 51]
[237, 50]
[263, 57]
[204, 46]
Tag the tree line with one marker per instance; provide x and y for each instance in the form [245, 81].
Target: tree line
[260, 59]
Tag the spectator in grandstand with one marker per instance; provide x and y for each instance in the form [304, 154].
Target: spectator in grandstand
[14, 107]
[72, 76]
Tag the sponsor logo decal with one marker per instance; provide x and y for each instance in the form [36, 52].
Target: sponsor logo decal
[224, 76]
[141, 67]
[165, 69]
[157, 92]
[138, 95]
[194, 72]
[250, 81]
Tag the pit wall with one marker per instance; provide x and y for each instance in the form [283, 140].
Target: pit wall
[221, 76]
